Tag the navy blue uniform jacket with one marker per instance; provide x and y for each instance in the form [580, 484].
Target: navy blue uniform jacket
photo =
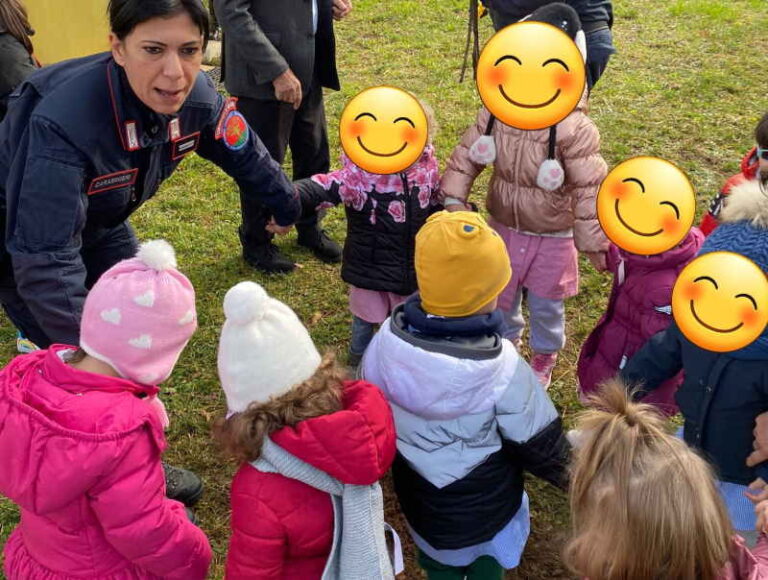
[79, 153]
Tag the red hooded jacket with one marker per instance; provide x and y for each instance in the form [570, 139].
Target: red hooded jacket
[283, 528]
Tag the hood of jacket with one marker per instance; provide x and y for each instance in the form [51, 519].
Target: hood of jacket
[438, 381]
[682, 253]
[355, 445]
[747, 201]
[61, 429]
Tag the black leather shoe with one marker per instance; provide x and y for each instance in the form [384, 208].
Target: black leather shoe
[182, 485]
[323, 247]
[268, 258]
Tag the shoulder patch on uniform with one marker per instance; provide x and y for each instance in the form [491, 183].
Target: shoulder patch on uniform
[235, 131]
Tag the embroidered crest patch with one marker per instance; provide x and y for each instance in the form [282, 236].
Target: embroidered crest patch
[235, 131]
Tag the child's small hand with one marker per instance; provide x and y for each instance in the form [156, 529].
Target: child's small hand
[761, 511]
[452, 204]
[273, 228]
[598, 260]
[758, 491]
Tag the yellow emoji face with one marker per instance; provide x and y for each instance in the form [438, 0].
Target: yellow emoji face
[646, 205]
[383, 130]
[720, 301]
[530, 75]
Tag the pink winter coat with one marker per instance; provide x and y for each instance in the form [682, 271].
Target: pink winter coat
[80, 454]
[745, 563]
[638, 308]
[515, 200]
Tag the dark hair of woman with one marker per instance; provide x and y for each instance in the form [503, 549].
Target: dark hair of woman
[14, 20]
[125, 15]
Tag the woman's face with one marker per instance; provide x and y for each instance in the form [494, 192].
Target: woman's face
[161, 58]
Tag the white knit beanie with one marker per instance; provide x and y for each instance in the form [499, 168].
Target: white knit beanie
[264, 348]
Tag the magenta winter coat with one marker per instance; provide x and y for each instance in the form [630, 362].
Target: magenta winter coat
[639, 307]
[80, 454]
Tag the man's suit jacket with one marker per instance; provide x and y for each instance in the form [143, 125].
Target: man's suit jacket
[263, 38]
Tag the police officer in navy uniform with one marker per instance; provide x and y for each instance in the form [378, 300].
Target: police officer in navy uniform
[86, 142]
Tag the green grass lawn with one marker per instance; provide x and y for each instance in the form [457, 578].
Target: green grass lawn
[688, 85]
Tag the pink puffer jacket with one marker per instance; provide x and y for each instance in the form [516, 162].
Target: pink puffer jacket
[515, 200]
[80, 454]
[745, 563]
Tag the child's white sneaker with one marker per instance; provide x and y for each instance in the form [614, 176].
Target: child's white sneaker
[542, 365]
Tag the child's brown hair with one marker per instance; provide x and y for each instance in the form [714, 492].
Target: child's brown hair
[643, 504]
[242, 435]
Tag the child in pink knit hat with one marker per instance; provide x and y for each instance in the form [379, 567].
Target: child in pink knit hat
[82, 437]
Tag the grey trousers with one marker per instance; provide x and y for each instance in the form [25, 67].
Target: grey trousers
[547, 322]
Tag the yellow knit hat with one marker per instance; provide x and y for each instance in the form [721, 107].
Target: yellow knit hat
[461, 263]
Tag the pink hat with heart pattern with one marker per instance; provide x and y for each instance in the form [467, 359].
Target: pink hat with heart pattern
[140, 314]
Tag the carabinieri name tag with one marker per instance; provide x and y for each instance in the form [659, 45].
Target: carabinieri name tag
[112, 181]
[184, 145]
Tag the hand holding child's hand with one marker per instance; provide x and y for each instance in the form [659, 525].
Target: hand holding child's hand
[274, 228]
[598, 260]
[758, 491]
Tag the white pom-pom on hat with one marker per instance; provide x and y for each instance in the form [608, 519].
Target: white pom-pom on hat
[483, 150]
[245, 302]
[264, 349]
[157, 254]
[551, 175]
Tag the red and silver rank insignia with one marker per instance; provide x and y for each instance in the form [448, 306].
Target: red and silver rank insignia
[174, 129]
[131, 136]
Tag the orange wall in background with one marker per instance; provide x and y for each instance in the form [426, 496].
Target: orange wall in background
[68, 28]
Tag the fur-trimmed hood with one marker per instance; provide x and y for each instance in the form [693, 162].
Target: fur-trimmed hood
[747, 202]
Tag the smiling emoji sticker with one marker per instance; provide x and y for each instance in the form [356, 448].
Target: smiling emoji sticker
[720, 301]
[530, 75]
[646, 205]
[383, 130]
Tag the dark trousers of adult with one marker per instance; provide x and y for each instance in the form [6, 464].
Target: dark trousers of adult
[599, 44]
[279, 126]
[108, 249]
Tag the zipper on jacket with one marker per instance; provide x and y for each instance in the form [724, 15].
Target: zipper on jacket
[408, 225]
